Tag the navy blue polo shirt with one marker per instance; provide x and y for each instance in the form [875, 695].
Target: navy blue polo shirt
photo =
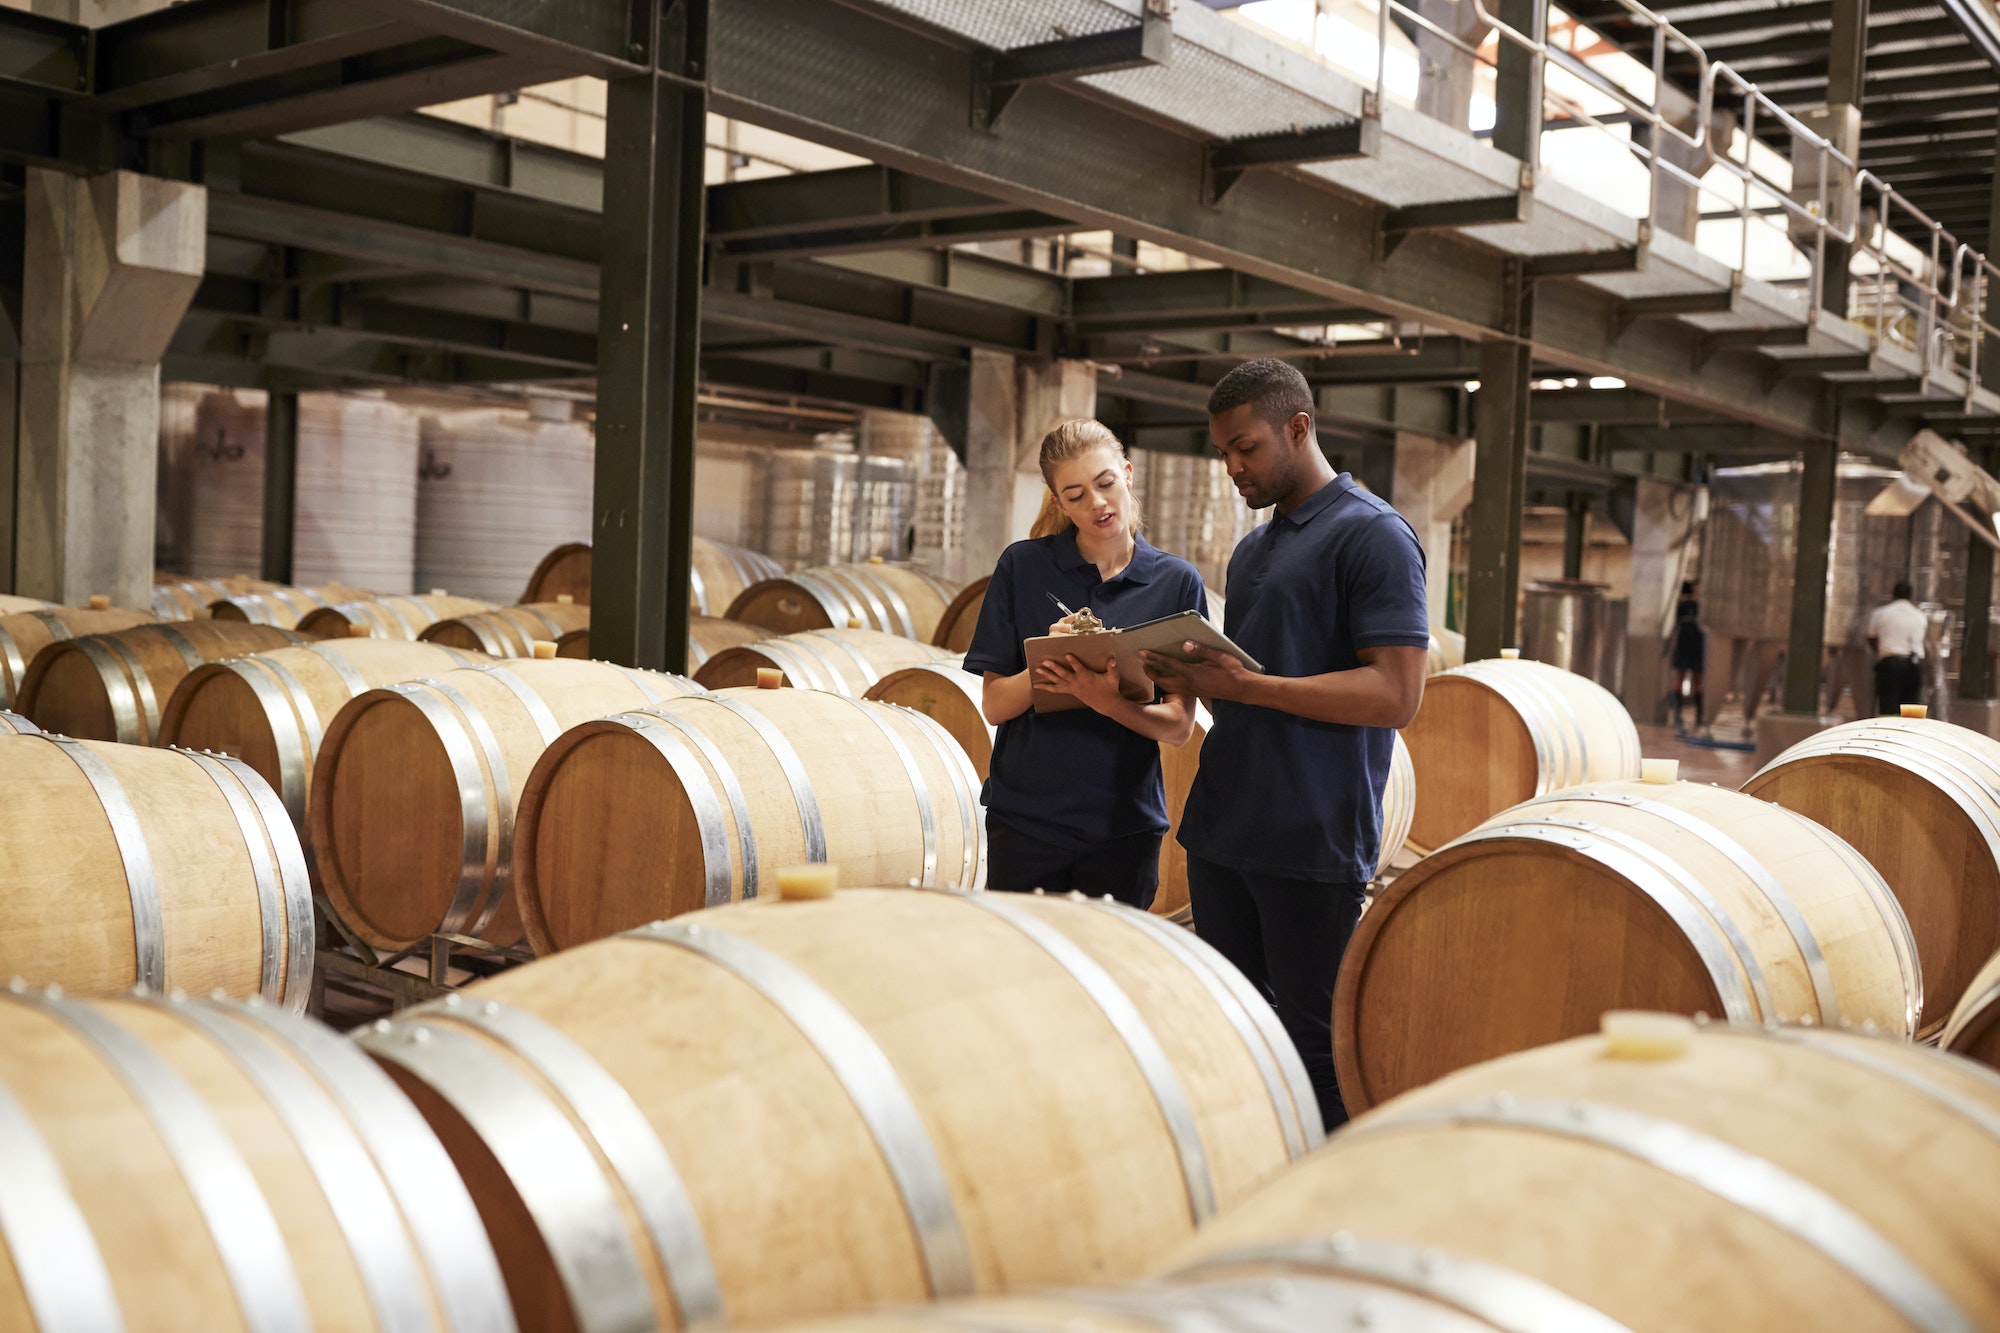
[1074, 778]
[1283, 795]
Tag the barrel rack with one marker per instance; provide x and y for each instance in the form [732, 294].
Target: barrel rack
[412, 976]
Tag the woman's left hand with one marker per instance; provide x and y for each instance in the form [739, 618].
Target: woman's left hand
[1099, 690]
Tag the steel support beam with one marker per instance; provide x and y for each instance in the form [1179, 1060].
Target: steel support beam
[1499, 479]
[1975, 668]
[1227, 160]
[1815, 535]
[649, 346]
[1517, 84]
[1846, 73]
[998, 77]
[281, 484]
[1989, 345]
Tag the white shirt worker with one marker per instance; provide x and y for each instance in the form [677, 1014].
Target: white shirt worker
[1898, 629]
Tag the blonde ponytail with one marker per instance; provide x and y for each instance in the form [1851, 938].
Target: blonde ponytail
[1052, 519]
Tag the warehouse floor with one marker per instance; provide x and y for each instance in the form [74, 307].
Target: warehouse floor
[1699, 763]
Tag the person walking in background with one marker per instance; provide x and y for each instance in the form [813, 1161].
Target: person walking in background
[1896, 638]
[1283, 826]
[1689, 653]
[1073, 798]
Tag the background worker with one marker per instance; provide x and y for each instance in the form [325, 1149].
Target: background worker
[1283, 826]
[1690, 652]
[1896, 638]
[1073, 799]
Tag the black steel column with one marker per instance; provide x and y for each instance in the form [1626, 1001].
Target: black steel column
[1975, 667]
[1576, 525]
[1517, 84]
[281, 483]
[1846, 68]
[1989, 345]
[1499, 482]
[649, 343]
[1802, 661]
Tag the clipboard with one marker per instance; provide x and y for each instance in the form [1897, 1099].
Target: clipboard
[1164, 636]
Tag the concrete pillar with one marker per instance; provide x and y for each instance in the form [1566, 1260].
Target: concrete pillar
[1433, 487]
[111, 264]
[1011, 407]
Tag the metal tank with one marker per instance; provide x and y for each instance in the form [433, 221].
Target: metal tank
[1191, 509]
[1750, 542]
[498, 489]
[1566, 623]
[811, 511]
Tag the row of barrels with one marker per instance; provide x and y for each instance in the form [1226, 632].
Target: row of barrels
[1034, 1113]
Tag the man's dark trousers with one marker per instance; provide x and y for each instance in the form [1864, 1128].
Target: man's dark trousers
[1898, 681]
[1286, 936]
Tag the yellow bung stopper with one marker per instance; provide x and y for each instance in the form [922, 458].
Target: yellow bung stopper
[439, 592]
[565, 599]
[1510, 654]
[806, 882]
[1659, 770]
[854, 622]
[874, 559]
[1909, 710]
[99, 602]
[544, 650]
[1635, 1034]
[770, 678]
[358, 630]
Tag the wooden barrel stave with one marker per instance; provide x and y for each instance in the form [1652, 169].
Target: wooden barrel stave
[1795, 1179]
[1624, 895]
[113, 686]
[1920, 800]
[1493, 733]
[697, 802]
[439, 764]
[1974, 1029]
[123, 864]
[270, 709]
[939, 1054]
[26, 633]
[844, 661]
[951, 697]
[175, 1162]
[395, 617]
[511, 631]
[890, 598]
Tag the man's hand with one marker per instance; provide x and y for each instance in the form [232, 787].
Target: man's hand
[1097, 690]
[1213, 675]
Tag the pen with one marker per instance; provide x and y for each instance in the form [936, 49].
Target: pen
[1059, 605]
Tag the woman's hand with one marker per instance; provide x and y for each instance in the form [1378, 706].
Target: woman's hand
[1098, 690]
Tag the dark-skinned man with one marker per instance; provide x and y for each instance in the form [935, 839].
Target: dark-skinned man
[1283, 825]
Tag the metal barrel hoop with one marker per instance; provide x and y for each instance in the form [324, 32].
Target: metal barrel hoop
[964, 783]
[702, 799]
[149, 936]
[480, 845]
[732, 792]
[869, 675]
[919, 788]
[54, 1252]
[294, 883]
[132, 716]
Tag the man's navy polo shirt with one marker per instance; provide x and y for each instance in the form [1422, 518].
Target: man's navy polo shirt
[1074, 778]
[1283, 795]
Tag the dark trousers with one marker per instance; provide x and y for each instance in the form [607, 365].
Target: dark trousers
[1286, 936]
[1898, 681]
[1126, 868]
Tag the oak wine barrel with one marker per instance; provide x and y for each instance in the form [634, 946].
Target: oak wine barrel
[1447, 650]
[12, 605]
[13, 724]
[887, 1095]
[844, 661]
[394, 617]
[696, 802]
[283, 607]
[124, 865]
[946, 693]
[955, 626]
[1974, 1029]
[720, 572]
[707, 636]
[1492, 734]
[24, 634]
[270, 709]
[1921, 800]
[177, 598]
[1682, 1179]
[1623, 895]
[200, 1164]
[512, 631]
[111, 687]
[414, 788]
[892, 598]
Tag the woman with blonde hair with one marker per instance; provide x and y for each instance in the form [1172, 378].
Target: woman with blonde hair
[1074, 800]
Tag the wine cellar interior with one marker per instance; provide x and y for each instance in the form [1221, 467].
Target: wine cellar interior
[630, 685]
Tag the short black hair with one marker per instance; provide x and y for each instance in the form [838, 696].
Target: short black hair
[1902, 589]
[1274, 389]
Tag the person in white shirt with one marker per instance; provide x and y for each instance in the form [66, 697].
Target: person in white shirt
[1896, 637]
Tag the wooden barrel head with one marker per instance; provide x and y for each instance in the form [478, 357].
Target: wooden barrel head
[1473, 755]
[65, 693]
[575, 643]
[781, 606]
[385, 809]
[565, 570]
[221, 708]
[944, 691]
[1922, 810]
[961, 618]
[1974, 1030]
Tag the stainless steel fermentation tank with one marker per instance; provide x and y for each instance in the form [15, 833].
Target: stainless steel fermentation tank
[1567, 623]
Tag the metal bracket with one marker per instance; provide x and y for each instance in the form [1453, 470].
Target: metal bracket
[1790, 335]
[1675, 305]
[1224, 161]
[1398, 224]
[1629, 259]
[999, 75]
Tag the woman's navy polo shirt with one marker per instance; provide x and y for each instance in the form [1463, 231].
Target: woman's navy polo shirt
[1075, 778]
[1283, 795]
